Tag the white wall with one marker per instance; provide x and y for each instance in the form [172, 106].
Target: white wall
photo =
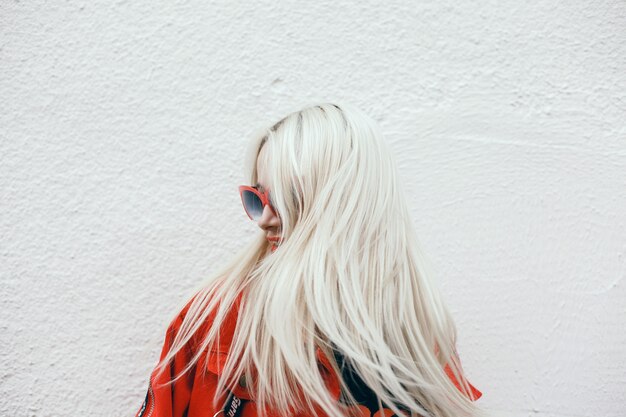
[122, 126]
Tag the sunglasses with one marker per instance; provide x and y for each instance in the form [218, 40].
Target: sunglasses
[254, 201]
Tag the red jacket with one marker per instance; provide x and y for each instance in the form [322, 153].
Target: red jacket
[192, 394]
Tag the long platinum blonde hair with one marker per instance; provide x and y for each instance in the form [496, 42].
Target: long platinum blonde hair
[347, 276]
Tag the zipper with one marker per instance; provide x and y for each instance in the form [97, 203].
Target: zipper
[151, 392]
[149, 400]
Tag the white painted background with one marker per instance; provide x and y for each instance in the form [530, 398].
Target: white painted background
[122, 126]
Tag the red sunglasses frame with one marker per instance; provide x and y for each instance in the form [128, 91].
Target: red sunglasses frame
[263, 196]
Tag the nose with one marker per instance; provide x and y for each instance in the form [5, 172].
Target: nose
[268, 219]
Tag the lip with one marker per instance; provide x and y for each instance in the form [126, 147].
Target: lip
[274, 239]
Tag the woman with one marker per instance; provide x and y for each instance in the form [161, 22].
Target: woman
[329, 311]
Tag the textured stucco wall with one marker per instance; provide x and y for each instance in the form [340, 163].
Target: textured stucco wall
[121, 131]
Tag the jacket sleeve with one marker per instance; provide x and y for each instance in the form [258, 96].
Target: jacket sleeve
[474, 393]
[164, 397]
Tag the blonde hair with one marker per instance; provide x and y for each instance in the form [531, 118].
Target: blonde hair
[347, 276]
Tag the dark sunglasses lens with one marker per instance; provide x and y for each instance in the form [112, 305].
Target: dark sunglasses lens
[253, 204]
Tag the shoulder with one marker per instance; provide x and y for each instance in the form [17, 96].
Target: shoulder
[196, 307]
[180, 316]
[197, 318]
